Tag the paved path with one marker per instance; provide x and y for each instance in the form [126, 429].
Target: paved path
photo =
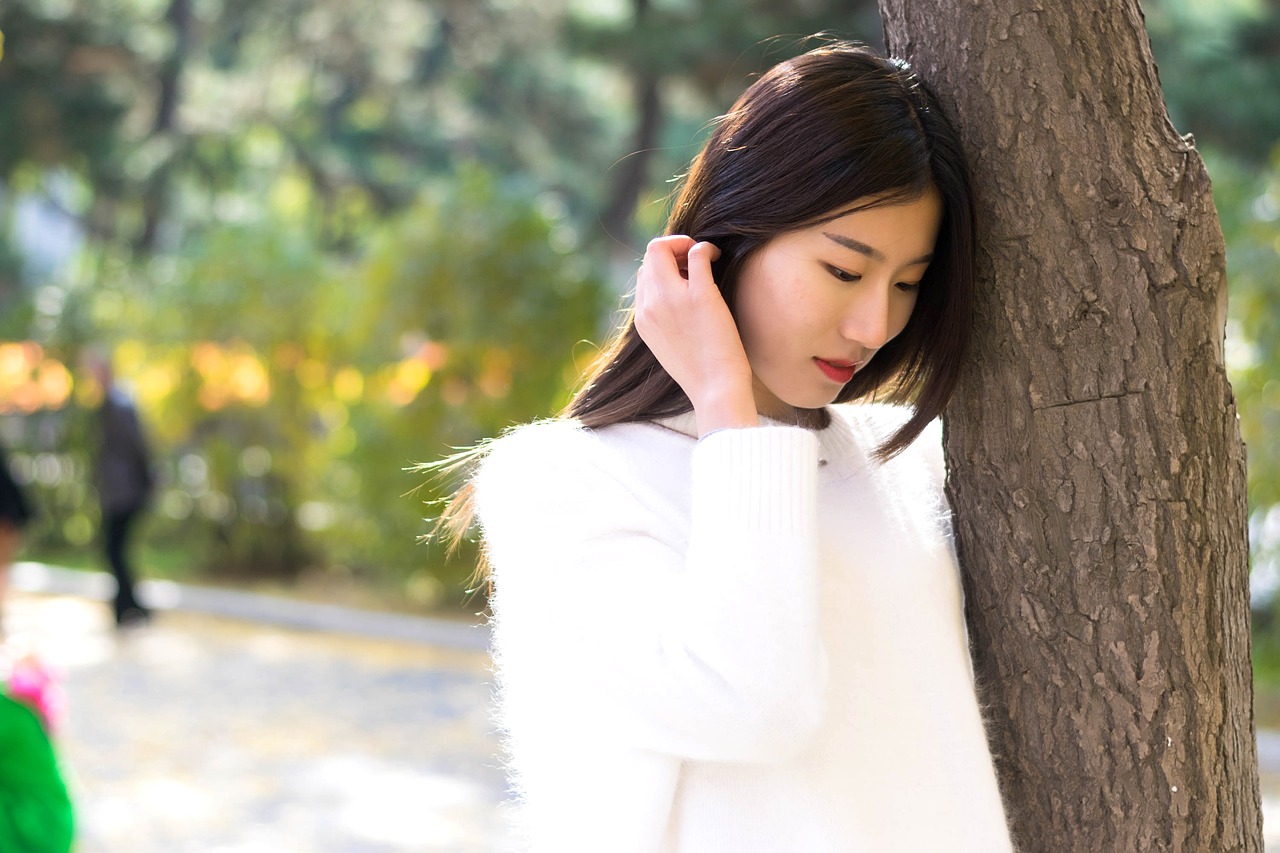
[211, 734]
[249, 724]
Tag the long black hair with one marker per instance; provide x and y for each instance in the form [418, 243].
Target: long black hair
[834, 130]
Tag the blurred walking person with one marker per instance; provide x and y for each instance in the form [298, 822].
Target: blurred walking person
[124, 481]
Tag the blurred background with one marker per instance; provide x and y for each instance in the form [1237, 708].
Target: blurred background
[323, 241]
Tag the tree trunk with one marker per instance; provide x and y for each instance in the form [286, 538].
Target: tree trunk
[155, 200]
[631, 173]
[1096, 468]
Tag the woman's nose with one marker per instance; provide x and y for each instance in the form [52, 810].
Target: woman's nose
[870, 320]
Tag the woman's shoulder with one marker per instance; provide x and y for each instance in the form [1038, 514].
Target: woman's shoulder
[528, 467]
[562, 467]
[535, 447]
[553, 436]
[566, 449]
[539, 435]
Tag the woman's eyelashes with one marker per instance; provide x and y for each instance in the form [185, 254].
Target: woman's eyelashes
[843, 275]
[850, 277]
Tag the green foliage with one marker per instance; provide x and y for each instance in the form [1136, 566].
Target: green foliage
[671, 66]
[714, 45]
[15, 304]
[1219, 68]
[1248, 201]
[393, 249]
[482, 286]
[289, 389]
[78, 117]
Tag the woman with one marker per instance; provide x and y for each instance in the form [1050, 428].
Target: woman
[727, 613]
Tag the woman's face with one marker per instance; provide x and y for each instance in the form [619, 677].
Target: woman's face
[815, 305]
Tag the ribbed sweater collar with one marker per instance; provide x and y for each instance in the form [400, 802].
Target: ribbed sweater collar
[687, 423]
[837, 440]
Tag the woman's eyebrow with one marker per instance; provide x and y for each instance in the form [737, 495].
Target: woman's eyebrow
[863, 249]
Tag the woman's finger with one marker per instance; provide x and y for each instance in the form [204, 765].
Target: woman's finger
[701, 256]
[665, 257]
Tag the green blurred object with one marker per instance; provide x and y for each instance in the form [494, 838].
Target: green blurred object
[36, 815]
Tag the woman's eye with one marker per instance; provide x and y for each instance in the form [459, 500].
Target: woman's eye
[908, 286]
[842, 275]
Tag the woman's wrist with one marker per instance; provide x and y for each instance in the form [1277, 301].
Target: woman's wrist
[726, 411]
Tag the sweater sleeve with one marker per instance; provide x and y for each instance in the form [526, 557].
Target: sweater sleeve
[706, 648]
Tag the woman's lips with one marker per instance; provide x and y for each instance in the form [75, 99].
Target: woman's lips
[837, 371]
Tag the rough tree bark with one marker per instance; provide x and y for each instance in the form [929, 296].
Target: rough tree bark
[1096, 468]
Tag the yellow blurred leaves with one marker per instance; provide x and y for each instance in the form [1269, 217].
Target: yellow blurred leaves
[348, 385]
[233, 373]
[406, 379]
[495, 373]
[291, 196]
[229, 373]
[30, 380]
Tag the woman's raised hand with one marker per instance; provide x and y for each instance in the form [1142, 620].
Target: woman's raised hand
[681, 315]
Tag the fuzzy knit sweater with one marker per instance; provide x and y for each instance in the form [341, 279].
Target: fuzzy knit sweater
[749, 643]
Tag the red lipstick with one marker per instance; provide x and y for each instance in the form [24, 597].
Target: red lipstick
[836, 370]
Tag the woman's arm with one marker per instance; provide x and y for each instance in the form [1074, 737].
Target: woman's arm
[683, 319]
[707, 648]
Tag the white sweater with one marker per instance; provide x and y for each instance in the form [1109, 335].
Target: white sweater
[752, 643]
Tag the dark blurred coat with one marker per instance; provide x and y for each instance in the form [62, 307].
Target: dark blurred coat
[14, 508]
[122, 473]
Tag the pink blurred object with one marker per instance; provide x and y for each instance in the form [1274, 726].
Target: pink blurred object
[35, 685]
